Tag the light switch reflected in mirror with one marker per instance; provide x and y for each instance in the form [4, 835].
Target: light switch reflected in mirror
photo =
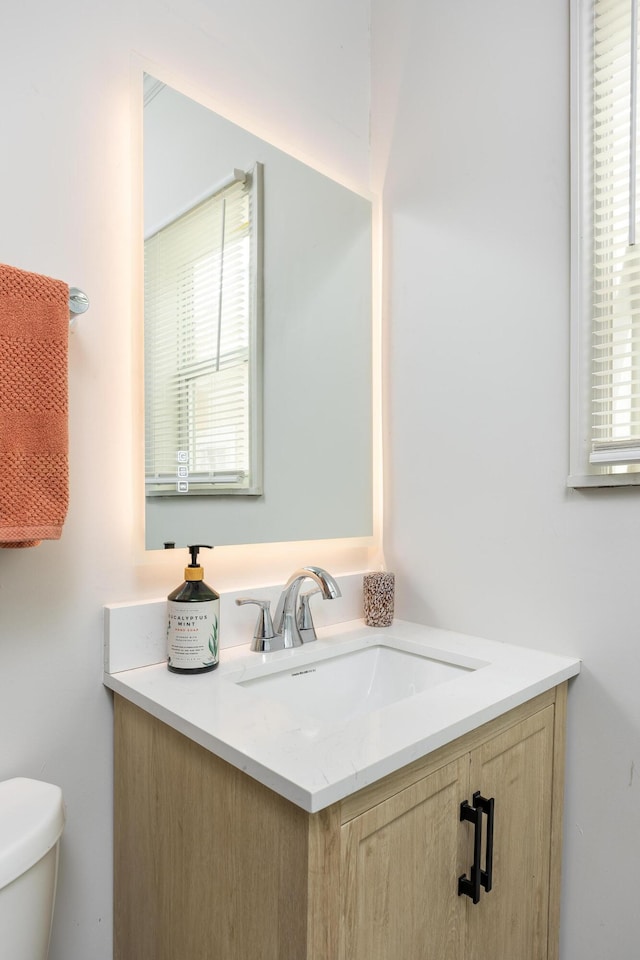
[295, 462]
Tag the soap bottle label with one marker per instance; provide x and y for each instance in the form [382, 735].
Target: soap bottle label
[192, 634]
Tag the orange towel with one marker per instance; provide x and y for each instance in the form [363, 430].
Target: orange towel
[34, 335]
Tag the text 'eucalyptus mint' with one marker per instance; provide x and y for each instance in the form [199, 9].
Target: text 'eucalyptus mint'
[193, 621]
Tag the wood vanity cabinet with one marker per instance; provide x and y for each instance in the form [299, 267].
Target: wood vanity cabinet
[211, 865]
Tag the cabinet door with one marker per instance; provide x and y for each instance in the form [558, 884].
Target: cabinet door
[511, 922]
[400, 864]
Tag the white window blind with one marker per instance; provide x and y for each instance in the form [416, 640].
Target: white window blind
[616, 256]
[605, 275]
[199, 355]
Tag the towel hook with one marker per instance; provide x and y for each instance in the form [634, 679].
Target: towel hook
[78, 303]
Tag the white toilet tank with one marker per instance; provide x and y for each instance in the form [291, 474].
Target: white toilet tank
[31, 822]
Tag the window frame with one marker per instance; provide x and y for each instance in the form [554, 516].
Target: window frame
[169, 485]
[583, 473]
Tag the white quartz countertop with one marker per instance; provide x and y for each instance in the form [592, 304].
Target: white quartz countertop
[315, 764]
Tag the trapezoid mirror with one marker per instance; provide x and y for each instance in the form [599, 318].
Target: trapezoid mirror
[257, 333]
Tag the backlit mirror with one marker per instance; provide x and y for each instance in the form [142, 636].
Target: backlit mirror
[257, 338]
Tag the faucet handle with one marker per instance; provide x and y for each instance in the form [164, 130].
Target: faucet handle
[264, 634]
[305, 619]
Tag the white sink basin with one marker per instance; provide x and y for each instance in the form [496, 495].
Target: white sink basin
[350, 684]
[321, 721]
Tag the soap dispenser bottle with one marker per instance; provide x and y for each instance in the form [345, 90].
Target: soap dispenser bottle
[193, 621]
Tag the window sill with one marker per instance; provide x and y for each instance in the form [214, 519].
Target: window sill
[609, 480]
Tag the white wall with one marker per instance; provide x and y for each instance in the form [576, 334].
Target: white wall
[295, 71]
[470, 114]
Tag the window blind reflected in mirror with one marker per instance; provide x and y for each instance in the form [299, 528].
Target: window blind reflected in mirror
[200, 346]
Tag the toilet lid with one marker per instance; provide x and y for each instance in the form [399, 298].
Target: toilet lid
[31, 821]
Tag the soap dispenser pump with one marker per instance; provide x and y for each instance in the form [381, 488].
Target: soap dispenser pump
[193, 621]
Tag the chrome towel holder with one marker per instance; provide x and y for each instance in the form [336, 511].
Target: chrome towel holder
[78, 303]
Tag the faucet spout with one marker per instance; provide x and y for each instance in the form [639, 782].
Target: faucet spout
[286, 617]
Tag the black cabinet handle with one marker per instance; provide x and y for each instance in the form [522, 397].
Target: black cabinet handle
[486, 806]
[470, 886]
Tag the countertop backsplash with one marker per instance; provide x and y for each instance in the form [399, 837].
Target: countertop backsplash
[135, 631]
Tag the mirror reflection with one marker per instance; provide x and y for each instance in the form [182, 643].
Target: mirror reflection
[257, 337]
[203, 335]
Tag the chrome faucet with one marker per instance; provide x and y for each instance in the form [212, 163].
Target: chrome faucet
[288, 618]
